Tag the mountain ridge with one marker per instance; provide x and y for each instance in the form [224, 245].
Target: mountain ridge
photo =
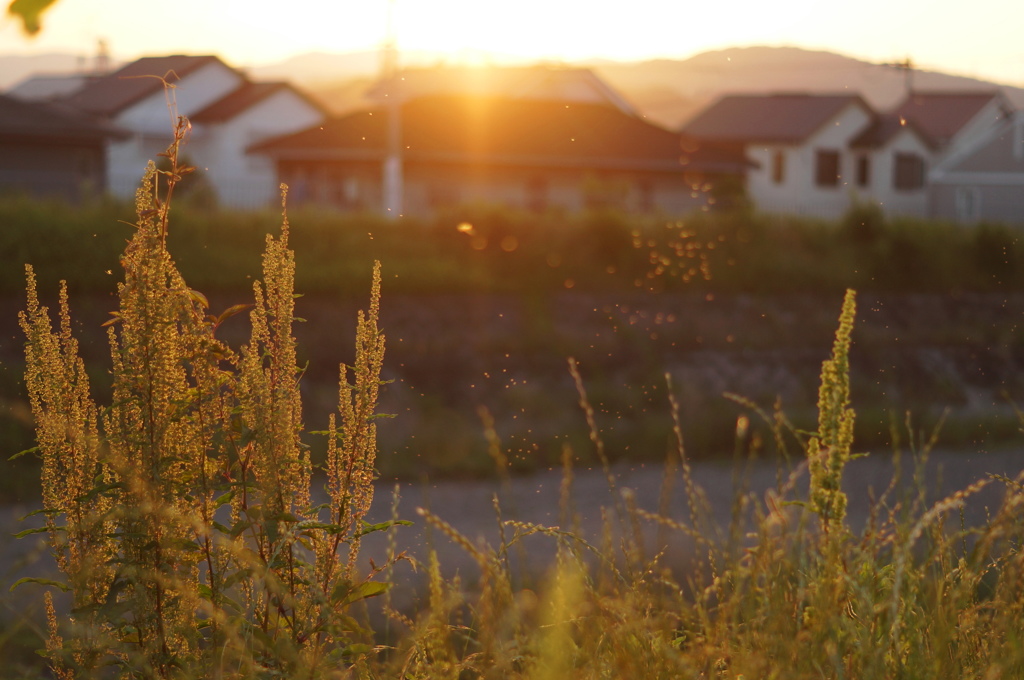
[666, 91]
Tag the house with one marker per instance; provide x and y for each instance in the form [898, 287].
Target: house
[984, 181]
[49, 87]
[47, 151]
[528, 153]
[223, 131]
[819, 154]
[802, 145]
[538, 82]
[954, 120]
[890, 159]
[228, 112]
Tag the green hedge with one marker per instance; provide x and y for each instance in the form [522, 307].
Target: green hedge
[497, 249]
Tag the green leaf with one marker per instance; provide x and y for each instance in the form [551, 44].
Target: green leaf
[29, 532]
[99, 489]
[331, 529]
[345, 594]
[231, 603]
[230, 312]
[225, 499]
[199, 297]
[240, 526]
[237, 577]
[19, 454]
[40, 511]
[263, 638]
[382, 526]
[41, 581]
[358, 649]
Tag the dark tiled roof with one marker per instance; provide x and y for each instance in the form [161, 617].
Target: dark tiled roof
[554, 83]
[940, 115]
[240, 100]
[111, 94]
[781, 118]
[999, 152]
[20, 119]
[883, 128]
[503, 130]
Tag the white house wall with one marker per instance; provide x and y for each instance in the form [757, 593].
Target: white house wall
[961, 200]
[127, 160]
[250, 180]
[798, 193]
[974, 132]
[881, 186]
[151, 123]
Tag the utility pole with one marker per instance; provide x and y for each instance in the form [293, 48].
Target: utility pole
[907, 66]
[392, 179]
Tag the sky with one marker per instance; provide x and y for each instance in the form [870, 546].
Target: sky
[979, 38]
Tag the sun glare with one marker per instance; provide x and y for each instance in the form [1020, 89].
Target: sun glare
[469, 32]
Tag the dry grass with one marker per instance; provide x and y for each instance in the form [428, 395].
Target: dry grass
[180, 516]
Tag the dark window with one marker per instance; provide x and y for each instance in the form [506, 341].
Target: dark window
[826, 169]
[909, 172]
[967, 203]
[863, 171]
[779, 167]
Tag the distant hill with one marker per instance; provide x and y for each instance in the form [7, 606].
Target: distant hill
[670, 92]
[667, 91]
[319, 68]
[15, 68]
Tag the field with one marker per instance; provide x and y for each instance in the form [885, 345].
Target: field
[692, 340]
[488, 315]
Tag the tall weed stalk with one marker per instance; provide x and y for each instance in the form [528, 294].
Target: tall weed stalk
[182, 519]
[181, 514]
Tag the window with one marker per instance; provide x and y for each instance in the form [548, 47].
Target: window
[967, 204]
[863, 171]
[908, 173]
[779, 166]
[826, 168]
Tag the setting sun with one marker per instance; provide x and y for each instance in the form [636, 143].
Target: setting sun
[460, 31]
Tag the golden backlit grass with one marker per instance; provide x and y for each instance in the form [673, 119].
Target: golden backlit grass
[180, 516]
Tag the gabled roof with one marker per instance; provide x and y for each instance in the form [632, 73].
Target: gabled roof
[778, 118]
[941, 115]
[1000, 151]
[245, 97]
[540, 82]
[111, 94]
[884, 128]
[48, 87]
[48, 123]
[501, 130]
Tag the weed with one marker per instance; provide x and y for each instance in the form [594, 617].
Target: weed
[182, 518]
[181, 514]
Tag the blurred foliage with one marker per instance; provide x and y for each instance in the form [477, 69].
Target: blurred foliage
[30, 12]
[563, 283]
[478, 248]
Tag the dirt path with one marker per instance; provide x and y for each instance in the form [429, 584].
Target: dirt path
[468, 507]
